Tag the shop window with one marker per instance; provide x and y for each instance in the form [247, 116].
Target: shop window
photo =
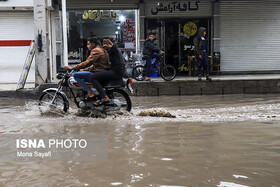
[118, 25]
[176, 37]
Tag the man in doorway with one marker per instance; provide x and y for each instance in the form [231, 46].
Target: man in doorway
[150, 51]
[200, 47]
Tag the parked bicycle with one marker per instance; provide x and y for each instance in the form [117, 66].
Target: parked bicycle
[166, 71]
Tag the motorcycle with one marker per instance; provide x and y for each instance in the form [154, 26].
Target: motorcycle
[53, 99]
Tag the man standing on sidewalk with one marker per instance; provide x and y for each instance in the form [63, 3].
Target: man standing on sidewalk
[200, 46]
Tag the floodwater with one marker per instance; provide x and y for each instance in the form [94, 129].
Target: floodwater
[231, 141]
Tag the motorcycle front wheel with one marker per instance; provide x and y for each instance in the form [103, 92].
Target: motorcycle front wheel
[139, 73]
[52, 101]
[121, 96]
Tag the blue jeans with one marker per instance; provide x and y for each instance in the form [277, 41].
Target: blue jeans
[81, 77]
[202, 63]
[148, 63]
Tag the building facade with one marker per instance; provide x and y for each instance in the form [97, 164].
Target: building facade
[244, 33]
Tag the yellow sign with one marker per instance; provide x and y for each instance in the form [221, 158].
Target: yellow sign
[96, 15]
[190, 28]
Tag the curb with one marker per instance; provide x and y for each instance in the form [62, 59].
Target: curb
[176, 88]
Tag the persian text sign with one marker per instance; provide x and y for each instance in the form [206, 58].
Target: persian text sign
[175, 6]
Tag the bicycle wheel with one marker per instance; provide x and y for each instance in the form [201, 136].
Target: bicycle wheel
[139, 73]
[168, 72]
[122, 97]
[49, 102]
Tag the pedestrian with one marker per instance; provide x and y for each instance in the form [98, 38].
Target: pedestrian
[150, 51]
[200, 47]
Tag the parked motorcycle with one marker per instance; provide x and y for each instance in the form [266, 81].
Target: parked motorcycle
[131, 61]
[55, 99]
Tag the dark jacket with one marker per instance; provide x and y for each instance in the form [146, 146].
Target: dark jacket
[98, 60]
[198, 42]
[150, 48]
[117, 60]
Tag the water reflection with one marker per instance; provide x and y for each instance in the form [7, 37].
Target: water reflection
[213, 141]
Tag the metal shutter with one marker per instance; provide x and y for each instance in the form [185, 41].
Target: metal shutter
[16, 27]
[250, 39]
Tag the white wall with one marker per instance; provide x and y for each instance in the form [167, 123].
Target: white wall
[15, 25]
[16, 3]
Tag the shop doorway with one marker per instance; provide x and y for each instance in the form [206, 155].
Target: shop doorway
[178, 42]
[175, 37]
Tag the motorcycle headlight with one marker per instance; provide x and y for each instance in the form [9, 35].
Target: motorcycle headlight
[59, 75]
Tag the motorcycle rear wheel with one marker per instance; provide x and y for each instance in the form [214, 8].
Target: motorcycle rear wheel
[48, 102]
[123, 97]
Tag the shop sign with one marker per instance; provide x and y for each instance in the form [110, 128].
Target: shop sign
[175, 6]
[129, 35]
[96, 15]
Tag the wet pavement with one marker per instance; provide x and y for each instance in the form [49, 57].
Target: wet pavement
[230, 140]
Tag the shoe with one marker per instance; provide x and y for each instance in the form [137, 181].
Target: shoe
[102, 102]
[199, 79]
[149, 80]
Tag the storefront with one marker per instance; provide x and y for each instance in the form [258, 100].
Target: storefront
[118, 25]
[244, 33]
[117, 21]
[176, 24]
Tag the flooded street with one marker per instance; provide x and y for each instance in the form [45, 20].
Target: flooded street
[231, 140]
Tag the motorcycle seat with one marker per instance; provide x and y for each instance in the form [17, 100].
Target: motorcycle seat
[115, 84]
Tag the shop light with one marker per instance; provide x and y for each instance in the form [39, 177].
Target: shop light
[122, 18]
[118, 27]
[117, 32]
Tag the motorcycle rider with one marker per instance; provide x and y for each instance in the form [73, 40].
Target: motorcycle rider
[97, 61]
[150, 51]
[116, 71]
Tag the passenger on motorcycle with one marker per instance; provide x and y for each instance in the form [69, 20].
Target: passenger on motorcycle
[97, 61]
[116, 71]
[150, 51]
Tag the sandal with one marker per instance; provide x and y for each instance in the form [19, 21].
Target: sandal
[102, 102]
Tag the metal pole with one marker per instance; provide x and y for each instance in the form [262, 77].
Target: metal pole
[179, 35]
[64, 33]
[137, 31]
